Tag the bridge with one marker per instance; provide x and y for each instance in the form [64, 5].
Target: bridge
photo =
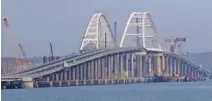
[139, 58]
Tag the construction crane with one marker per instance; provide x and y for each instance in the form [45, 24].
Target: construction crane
[26, 61]
[12, 39]
[173, 43]
[51, 57]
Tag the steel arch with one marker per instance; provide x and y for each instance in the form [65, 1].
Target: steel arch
[93, 33]
[145, 16]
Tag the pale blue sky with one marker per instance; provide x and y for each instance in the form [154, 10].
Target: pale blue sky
[63, 22]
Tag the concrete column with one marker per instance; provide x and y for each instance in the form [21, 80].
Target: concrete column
[53, 77]
[47, 78]
[109, 66]
[127, 65]
[61, 75]
[70, 72]
[150, 73]
[139, 65]
[99, 69]
[65, 75]
[185, 69]
[89, 70]
[189, 70]
[116, 68]
[106, 66]
[144, 66]
[159, 65]
[163, 67]
[57, 76]
[121, 66]
[112, 66]
[198, 74]
[77, 72]
[193, 72]
[74, 73]
[170, 67]
[95, 68]
[132, 65]
[81, 71]
[103, 67]
[85, 71]
[195, 75]
[180, 71]
[167, 65]
[175, 66]
[92, 69]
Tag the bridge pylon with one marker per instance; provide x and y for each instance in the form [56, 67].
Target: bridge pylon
[140, 31]
[98, 34]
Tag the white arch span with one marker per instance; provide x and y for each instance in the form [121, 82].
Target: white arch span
[98, 34]
[145, 32]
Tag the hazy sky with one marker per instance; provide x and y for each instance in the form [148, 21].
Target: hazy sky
[35, 23]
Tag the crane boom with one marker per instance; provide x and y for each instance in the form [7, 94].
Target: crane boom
[9, 31]
[23, 53]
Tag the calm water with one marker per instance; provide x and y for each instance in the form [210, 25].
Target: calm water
[197, 91]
